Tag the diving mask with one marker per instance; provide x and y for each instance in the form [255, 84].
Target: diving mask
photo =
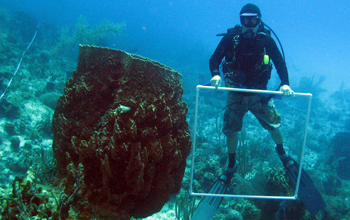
[250, 21]
[250, 24]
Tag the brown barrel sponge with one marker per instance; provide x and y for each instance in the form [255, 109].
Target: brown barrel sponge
[122, 123]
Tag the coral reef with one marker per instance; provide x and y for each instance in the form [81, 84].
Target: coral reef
[184, 206]
[27, 198]
[132, 159]
[15, 143]
[248, 210]
[340, 151]
[84, 33]
[278, 182]
[49, 99]
[8, 110]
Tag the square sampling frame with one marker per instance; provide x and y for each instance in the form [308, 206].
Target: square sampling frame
[199, 87]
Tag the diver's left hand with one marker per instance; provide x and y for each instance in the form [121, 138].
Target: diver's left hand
[287, 91]
[216, 81]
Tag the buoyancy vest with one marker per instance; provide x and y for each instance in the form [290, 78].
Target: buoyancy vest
[246, 64]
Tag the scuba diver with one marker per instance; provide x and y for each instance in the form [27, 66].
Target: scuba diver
[246, 65]
[244, 53]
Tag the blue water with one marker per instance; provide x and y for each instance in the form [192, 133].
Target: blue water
[182, 33]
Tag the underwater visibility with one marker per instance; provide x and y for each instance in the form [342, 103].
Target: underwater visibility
[111, 111]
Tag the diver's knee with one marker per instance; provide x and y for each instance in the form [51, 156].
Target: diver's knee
[275, 131]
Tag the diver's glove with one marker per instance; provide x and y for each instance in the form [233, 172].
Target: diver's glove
[216, 81]
[287, 91]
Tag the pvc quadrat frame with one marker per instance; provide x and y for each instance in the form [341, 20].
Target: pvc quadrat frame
[295, 196]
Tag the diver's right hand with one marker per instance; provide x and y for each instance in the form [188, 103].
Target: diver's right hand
[216, 81]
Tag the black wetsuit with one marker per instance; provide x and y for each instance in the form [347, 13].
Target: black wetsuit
[247, 58]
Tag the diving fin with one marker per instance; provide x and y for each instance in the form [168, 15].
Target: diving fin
[209, 204]
[308, 193]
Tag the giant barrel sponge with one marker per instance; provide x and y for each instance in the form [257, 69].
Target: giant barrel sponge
[120, 135]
